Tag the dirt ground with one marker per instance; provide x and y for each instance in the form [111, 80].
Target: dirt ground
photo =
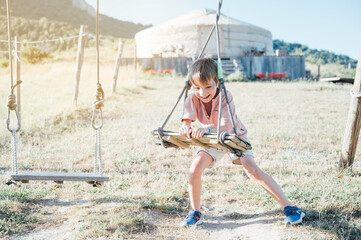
[229, 221]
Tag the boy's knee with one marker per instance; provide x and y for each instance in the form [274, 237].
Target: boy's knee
[253, 172]
[200, 163]
[195, 171]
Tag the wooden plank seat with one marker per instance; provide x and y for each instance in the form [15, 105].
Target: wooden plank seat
[209, 140]
[337, 80]
[57, 177]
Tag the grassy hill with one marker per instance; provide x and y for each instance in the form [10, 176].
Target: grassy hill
[314, 56]
[331, 64]
[34, 30]
[64, 11]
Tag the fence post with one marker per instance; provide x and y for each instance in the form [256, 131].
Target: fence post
[353, 123]
[117, 65]
[83, 35]
[17, 75]
[135, 64]
[318, 72]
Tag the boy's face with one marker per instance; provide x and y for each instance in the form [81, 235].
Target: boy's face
[205, 92]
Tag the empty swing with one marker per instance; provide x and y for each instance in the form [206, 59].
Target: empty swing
[96, 178]
[223, 141]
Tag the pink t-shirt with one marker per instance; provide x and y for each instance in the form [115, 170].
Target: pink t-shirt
[194, 109]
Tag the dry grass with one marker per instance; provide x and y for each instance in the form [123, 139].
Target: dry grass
[296, 129]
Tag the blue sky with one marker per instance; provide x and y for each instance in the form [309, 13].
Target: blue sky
[333, 25]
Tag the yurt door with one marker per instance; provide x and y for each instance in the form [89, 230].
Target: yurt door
[211, 49]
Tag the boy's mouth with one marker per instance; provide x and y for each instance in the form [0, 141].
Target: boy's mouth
[205, 97]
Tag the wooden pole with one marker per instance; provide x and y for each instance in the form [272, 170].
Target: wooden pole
[318, 72]
[117, 65]
[135, 64]
[17, 75]
[83, 36]
[353, 123]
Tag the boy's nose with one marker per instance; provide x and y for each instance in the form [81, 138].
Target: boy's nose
[202, 91]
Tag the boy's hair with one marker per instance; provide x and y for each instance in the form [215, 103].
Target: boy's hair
[204, 69]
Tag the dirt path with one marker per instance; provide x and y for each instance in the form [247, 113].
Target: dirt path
[60, 225]
[228, 221]
[231, 221]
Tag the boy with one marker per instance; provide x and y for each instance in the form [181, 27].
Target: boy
[203, 105]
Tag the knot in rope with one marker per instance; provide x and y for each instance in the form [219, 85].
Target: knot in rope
[222, 137]
[12, 102]
[98, 103]
[219, 8]
[164, 143]
[188, 84]
[354, 95]
[221, 81]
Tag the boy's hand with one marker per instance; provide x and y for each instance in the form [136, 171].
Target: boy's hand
[198, 132]
[185, 131]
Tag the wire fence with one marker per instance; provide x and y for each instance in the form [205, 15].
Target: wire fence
[25, 42]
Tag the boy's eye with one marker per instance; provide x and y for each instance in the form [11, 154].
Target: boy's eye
[209, 86]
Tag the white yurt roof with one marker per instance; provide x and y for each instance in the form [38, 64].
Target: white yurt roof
[186, 29]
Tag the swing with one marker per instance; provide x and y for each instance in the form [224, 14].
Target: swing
[96, 178]
[221, 140]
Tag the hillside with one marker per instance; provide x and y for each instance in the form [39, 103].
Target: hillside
[34, 30]
[314, 56]
[73, 12]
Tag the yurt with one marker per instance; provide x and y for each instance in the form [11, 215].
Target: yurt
[184, 36]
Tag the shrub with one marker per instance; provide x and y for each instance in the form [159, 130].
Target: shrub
[33, 55]
[4, 63]
[237, 76]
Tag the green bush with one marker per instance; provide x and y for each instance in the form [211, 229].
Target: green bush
[4, 63]
[33, 55]
[237, 76]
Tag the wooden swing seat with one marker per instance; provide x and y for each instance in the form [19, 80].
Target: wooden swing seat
[209, 140]
[59, 177]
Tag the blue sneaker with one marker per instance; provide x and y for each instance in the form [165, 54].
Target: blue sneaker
[193, 218]
[293, 214]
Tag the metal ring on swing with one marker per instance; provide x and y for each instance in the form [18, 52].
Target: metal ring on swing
[8, 121]
[95, 126]
[354, 95]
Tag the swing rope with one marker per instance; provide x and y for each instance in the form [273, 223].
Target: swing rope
[12, 106]
[221, 136]
[98, 103]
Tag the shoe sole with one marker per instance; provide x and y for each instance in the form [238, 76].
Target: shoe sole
[196, 224]
[298, 221]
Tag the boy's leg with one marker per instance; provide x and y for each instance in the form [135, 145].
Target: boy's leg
[199, 164]
[265, 180]
[293, 214]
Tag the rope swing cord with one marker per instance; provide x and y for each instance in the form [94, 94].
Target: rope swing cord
[222, 87]
[12, 106]
[221, 136]
[98, 103]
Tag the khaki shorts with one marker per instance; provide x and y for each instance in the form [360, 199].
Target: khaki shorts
[218, 154]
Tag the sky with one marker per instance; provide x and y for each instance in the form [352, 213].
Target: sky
[333, 25]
